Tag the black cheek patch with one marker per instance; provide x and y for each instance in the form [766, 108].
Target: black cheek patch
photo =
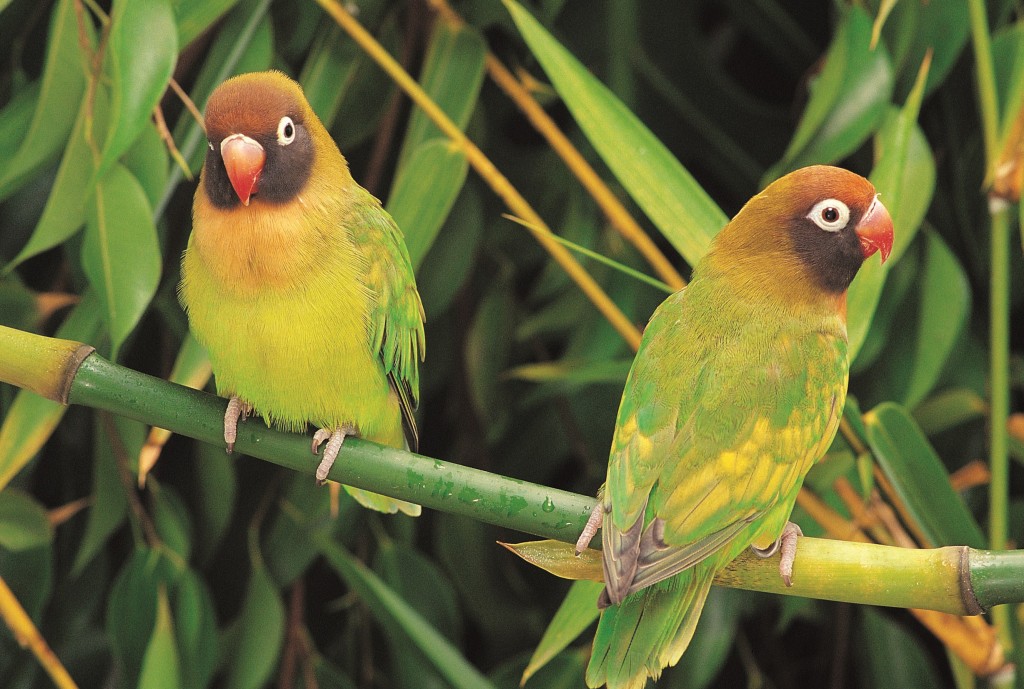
[832, 258]
[216, 183]
[287, 168]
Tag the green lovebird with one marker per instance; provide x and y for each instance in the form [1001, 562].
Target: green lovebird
[736, 391]
[297, 282]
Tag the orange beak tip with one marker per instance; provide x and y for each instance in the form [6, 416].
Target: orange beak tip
[243, 159]
[875, 231]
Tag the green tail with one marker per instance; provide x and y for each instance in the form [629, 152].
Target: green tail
[648, 631]
[382, 503]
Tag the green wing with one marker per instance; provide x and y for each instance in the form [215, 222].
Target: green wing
[721, 417]
[396, 313]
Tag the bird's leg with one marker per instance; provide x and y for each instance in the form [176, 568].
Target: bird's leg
[334, 440]
[786, 546]
[590, 530]
[237, 409]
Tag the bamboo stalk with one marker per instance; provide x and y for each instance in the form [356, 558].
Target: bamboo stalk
[978, 579]
[28, 636]
[486, 169]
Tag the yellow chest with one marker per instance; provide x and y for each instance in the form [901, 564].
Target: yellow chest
[278, 298]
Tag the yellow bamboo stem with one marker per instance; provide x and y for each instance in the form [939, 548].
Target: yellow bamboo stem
[613, 209]
[486, 169]
[29, 637]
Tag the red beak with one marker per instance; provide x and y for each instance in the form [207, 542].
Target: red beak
[875, 231]
[243, 158]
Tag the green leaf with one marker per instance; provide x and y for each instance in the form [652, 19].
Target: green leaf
[577, 612]
[904, 177]
[891, 657]
[160, 667]
[949, 409]
[196, 16]
[171, 519]
[121, 254]
[65, 207]
[667, 193]
[16, 118]
[109, 506]
[942, 314]
[260, 633]
[147, 161]
[919, 478]
[393, 614]
[195, 630]
[63, 83]
[424, 193]
[132, 609]
[216, 489]
[914, 28]
[449, 260]
[328, 71]
[30, 420]
[453, 71]
[848, 99]
[23, 522]
[142, 50]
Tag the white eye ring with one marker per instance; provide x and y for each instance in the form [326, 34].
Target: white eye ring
[285, 131]
[830, 215]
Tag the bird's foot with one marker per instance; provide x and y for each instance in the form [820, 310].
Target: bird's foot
[334, 439]
[237, 409]
[785, 545]
[590, 530]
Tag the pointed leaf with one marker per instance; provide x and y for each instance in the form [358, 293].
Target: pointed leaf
[394, 614]
[848, 98]
[560, 559]
[577, 612]
[261, 632]
[23, 522]
[904, 177]
[453, 71]
[919, 477]
[142, 50]
[63, 82]
[661, 186]
[160, 666]
[121, 254]
[424, 193]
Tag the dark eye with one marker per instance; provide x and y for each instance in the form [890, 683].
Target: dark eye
[285, 131]
[830, 215]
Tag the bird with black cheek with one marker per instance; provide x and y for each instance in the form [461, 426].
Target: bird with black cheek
[736, 391]
[298, 282]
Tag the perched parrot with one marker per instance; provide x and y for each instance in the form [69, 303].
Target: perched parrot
[737, 389]
[297, 282]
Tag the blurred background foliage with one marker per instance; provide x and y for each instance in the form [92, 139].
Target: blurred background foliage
[229, 572]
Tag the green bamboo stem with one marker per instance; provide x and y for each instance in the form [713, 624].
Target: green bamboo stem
[952, 579]
[986, 76]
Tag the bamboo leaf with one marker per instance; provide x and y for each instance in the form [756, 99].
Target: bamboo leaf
[424, 193]
[160, 666]
[393, 613]
[260, 630]
[904, 177]
[121, 254]
[60, 91]
[919, 477]
[577, 612]
[660, 185]
[23, 522]
[142, 50]
[193, 17]
[453, 71]
[195, 630]
[65, 208]
[848, 99]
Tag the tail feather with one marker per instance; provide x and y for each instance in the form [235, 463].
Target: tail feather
[648, 631]
[382, 503]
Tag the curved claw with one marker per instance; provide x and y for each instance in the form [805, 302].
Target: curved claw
[334, 440]
[236, 409]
